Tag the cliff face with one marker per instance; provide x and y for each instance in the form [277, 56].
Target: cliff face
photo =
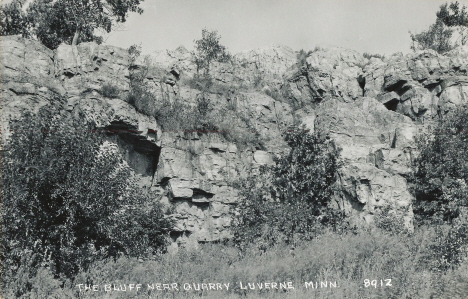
[372, 108]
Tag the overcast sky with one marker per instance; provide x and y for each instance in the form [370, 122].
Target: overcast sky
[374, 26]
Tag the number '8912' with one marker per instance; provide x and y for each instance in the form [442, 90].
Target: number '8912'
[377, 283]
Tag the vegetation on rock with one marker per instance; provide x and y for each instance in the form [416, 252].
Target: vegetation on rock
[442, 171]
[208, 49]
[69, 200]
[439, 35]
[290, 200]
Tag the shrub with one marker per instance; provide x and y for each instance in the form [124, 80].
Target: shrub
[289, 200]
[440, 180]
[387, 220]
[202, 83]
[140, 95]
[450, 17]
[302, 60]
[369, 56]
[68, 199]
[109, 91]
[451, 245]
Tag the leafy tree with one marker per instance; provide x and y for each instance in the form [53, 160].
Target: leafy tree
[13, 20]
[51, 26]
[439, 35]
[291, 198]
[455, 16]
[437, 38]
[68, 199]
[440, 181]
[73, 21]
[208, 49]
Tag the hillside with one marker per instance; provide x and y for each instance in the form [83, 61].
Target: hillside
[372, 108]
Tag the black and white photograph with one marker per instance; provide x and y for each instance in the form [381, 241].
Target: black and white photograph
[234, 149]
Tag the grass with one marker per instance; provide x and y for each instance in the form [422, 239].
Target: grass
[348, 259]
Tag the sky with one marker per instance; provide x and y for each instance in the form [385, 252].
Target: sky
[372, 26]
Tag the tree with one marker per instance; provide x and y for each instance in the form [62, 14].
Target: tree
[441, 177]
[72, 21]
[13, 20]
[436, 38]
[51, 27]
[290, 199]
[439, 35]
[68, 199]
[208, 49]
[454, 16]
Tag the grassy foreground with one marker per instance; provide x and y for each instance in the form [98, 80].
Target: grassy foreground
[411, 261]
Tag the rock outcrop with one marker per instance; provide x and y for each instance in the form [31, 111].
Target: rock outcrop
[421, 85]
[377, 146]
[372, 108]
[328, 72]
[27, 80]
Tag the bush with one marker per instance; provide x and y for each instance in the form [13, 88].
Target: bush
[289, 201]
[202, 83]
[302, 60]
[451, 245]
[387, 220]
[109, 91]
[68, 199]
[369, 56]
[440, 180]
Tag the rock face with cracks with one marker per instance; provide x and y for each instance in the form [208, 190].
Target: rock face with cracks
[372, 108]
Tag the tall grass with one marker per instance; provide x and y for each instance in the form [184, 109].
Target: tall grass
[348, 258]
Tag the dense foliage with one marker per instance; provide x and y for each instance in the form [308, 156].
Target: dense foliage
[442, 169]
[13, 20]
[69, 199]
[65, 21]
[290, 200]
[455, 16]
[50, 25]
